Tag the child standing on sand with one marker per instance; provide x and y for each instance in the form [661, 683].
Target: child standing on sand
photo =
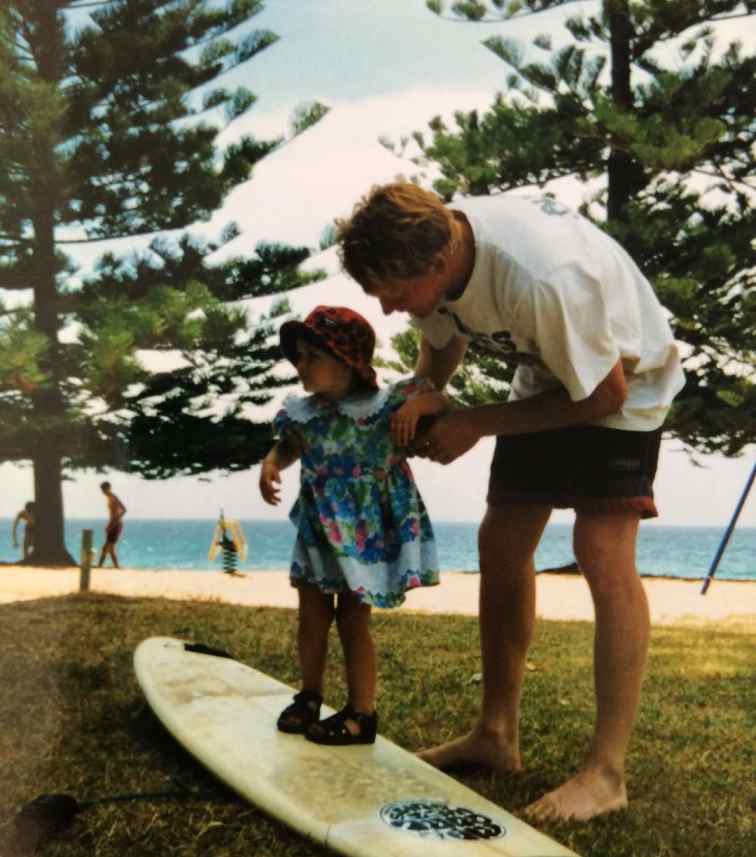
[363, 534]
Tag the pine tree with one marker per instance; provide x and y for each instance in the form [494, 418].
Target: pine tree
[107, 130]
[640, 99]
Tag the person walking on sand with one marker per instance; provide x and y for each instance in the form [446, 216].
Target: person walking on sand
[26, 515]
[114, 527]
[527, 280]
[363, 535]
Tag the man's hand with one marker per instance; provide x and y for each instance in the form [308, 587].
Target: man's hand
[270, 479]
[451, 435]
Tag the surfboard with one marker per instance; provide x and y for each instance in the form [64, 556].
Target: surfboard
[236, 534]
[373, 800]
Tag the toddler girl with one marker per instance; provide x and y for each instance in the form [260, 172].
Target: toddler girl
[363, 534]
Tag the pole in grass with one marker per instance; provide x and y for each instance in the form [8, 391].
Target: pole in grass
[86, 560]
[728, 531]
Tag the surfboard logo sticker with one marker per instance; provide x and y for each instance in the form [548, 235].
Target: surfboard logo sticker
[436, 819]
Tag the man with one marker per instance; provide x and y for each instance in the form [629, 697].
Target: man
[114, 527]
[26, 515]
[597, 369]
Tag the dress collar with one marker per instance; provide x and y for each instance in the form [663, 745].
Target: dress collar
[302, 409]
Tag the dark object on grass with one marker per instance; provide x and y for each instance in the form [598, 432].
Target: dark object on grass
[48, 815]
[43, 817]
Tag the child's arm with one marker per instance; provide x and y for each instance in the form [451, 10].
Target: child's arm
[404, 419]
[283, 454]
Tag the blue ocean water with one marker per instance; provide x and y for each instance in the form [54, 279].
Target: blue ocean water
[183, 544]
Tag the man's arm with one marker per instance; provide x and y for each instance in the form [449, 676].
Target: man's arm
[553, 410]
[439, 364]
[119, 509]
[19, 517]
[456, 432]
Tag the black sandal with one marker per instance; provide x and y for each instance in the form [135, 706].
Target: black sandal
[302, 713]
[334, 730]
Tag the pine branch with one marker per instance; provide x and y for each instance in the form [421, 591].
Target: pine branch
[719, 173]
[503, 18]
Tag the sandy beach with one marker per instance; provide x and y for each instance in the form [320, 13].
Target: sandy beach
[730, 604]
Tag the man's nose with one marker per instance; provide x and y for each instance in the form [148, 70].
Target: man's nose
[387, 306]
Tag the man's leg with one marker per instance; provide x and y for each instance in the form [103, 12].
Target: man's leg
[605, 551]
[508, 538]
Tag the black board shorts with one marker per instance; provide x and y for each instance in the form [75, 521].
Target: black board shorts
[586, 468]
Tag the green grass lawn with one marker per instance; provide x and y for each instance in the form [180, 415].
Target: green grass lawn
[74, 721]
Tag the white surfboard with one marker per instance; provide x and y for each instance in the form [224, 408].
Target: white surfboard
[366, 801]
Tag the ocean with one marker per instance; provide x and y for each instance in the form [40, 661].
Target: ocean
[685, 552]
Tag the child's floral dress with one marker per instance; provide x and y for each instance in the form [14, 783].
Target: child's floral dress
[361, 522]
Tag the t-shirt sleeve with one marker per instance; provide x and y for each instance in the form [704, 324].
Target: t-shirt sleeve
[438, 328]
[570, 325]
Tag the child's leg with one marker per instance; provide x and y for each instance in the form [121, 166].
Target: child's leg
[353, 622]
[316, 612]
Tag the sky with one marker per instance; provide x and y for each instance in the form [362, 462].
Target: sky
[384, 68]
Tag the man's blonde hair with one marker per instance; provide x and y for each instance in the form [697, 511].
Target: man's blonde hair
[397, 231]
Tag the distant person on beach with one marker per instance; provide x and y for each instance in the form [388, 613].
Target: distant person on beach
[363, 534]
[114, 527]
[26, 515]
[524, 279]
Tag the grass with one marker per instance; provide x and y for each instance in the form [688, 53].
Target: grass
[74, 722]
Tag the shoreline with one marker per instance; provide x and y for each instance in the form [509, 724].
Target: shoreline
[729, 604]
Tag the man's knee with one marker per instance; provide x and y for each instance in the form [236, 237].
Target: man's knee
[509, 535]
[604, 547]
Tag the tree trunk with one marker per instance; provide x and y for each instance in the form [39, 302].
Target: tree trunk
[49, 409]
[49, 536]
[625, 175]
[48, 401]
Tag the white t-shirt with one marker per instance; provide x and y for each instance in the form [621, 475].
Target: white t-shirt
[558, 296]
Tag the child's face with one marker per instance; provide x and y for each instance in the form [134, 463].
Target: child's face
[321, 372]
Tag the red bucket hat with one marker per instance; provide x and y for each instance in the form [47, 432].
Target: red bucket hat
[339, 330]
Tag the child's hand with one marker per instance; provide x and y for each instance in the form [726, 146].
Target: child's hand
[404, 424]
[270, 479]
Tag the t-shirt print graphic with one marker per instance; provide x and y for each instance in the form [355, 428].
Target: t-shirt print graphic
[549, 205]
[497, 344]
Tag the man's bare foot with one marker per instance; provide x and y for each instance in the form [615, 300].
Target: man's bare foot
[476, 748]
[588, 794]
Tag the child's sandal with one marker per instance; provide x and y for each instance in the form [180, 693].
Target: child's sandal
[302, 713]
[334, 730]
